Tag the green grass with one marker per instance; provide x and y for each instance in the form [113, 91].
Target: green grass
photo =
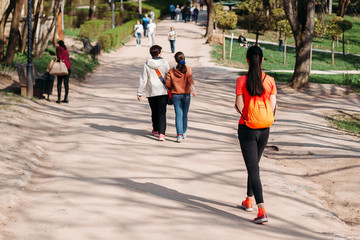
[350, 122]
[72, 32]
[81, 64]
[274, 58]
[352, 38]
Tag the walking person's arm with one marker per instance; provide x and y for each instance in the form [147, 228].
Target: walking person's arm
[142, 83]
[273, 102]
[239, 103]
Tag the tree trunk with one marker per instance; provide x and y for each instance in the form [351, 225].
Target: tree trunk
[210, 18]
[140, 7]
[330, 7]
[14, 32]
[24, 37]
[285, 40]
[343, 4]
[302, 21]
[91, 9]
[257, 38]
[343, 40]
[45, 33]
[2, 28]
[333, 52]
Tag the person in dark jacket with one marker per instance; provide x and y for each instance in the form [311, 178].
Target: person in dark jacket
[187, 14]
[63, 55]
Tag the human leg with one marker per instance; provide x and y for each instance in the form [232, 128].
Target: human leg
[162, 104]
[249, 148]
[253, 142]
[178, 106]
[154, 114]
[186, 106]
[59, 83]
[172, 45]
[66, 86]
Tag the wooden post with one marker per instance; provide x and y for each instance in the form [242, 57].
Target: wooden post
[231, 44]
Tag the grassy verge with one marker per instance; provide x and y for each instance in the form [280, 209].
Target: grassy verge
[274, 58]
[352, 40]
[81, 64]
[350, 122]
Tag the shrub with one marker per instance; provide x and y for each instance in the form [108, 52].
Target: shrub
[94, 28]
[70, 21]
[112, 37]
[82, 16]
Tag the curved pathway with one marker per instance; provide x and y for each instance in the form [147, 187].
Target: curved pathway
[105, 177]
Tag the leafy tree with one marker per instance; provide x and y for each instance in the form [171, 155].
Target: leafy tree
[277, 15]
[285, 29]
[333, 30]
[301, 16]
[345, 25]
[257, 20]
[224, 20]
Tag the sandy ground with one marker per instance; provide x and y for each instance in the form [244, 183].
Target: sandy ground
[91, 170]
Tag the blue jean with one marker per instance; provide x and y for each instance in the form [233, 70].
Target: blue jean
[138, 38]
[181, 106]
[172, 45]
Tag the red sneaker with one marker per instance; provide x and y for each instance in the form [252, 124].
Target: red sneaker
[261, 217]
[247, 205]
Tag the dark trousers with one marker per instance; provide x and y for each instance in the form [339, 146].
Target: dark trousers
[172, 45]
[252, 143]
[158, 112]
[60, 79]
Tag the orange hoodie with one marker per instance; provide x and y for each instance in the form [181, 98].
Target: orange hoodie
[178, 82]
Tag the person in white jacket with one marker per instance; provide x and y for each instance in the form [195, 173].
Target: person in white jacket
[155, 90]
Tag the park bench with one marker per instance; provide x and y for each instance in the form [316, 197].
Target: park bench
[43, 84]
[93, 50]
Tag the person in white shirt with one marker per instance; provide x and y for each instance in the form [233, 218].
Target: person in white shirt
[177, 12]
[154, 88]
[151, 32]
[172, 36]
[138, 31]
[152, 15]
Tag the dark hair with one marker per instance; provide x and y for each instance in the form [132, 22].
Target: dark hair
[62, 44]
[179, 56]
[155, 50]
[254, 84]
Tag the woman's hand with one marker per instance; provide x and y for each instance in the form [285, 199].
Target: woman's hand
[194, 93]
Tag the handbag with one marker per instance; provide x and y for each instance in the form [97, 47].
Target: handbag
[58, 68]
[170, 102]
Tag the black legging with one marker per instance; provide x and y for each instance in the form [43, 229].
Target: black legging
[158, 112]
[252, 143]
[66, 85]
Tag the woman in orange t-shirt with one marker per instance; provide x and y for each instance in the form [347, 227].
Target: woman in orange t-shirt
[255, 84]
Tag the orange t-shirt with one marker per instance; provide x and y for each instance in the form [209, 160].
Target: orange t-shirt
[269, 87]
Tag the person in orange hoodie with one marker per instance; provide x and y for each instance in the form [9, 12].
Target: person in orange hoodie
[181, 84]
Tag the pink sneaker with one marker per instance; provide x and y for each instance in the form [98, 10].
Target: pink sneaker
[161, 137]
[155, 133]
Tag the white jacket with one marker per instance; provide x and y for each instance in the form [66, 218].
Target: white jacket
[150, 81]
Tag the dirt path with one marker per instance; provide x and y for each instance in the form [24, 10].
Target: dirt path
[103, 176]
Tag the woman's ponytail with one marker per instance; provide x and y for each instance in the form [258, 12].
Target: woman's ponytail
[180, 59]
[254, 84]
